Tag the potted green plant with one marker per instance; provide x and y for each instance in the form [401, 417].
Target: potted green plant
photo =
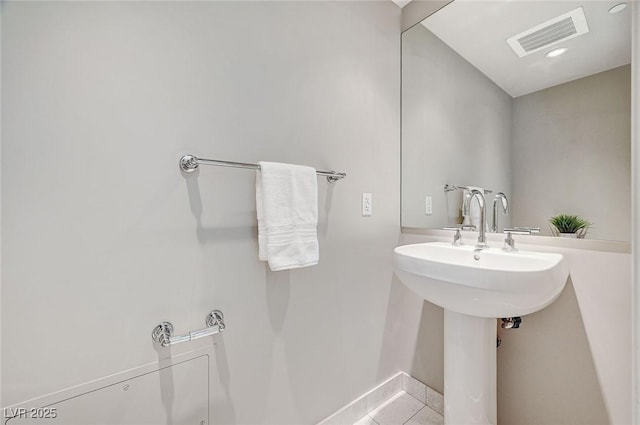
[569, 226]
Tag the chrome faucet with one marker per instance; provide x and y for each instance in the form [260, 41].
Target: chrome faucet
[474, 193]
[505, 208]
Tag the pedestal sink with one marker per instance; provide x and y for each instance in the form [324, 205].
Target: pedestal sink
[475, 288]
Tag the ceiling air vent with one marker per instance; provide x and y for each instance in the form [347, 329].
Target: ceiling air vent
[561, 28]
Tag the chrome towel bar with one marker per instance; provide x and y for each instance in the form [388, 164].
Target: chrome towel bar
[451, 187]
[163, 332]
[190, 163]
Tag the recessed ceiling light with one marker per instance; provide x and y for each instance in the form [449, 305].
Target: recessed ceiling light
[618, 8]
[556, 52]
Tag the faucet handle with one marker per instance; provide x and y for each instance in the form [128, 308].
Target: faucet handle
[457, 237]
[531, 230]
[509, 243]
[459, 227]
[522, 230]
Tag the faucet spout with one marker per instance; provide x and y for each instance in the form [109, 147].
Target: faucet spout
[474, 193]
[505, 209]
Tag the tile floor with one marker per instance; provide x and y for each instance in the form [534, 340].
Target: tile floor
[399, 400]
[402, 409]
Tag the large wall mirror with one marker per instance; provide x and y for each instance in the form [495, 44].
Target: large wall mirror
[528, 98]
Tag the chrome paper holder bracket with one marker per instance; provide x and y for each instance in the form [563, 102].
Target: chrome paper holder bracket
[163, 332]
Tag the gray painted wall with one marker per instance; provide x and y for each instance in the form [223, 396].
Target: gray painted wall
[103, 237]
[571, 154]
[456, 129]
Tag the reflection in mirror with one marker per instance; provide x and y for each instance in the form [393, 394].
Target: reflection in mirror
[485, 105]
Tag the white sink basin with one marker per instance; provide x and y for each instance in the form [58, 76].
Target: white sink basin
[490, 283]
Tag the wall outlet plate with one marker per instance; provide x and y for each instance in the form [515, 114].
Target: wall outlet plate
[367, 204]
[428, 205]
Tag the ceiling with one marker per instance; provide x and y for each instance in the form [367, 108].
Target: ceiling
[478, 30]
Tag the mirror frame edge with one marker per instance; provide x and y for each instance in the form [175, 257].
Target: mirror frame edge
[635, 212]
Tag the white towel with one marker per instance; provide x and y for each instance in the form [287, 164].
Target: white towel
[473, 215]
[287, 207]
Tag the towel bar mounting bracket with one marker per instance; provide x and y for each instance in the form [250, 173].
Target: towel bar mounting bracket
[189, 163]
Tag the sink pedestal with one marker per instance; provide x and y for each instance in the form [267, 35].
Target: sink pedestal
[469, 370]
